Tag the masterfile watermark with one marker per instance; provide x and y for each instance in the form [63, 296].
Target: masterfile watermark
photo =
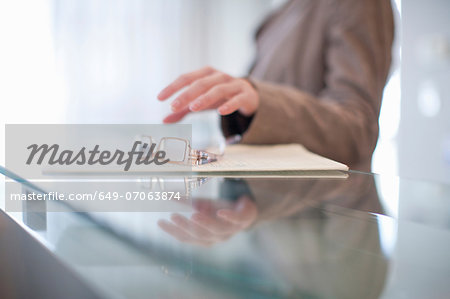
[91, 196]
[97, 168]
[95, 156]
[97, 195]
[40, 151]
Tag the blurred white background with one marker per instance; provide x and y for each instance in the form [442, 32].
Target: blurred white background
[105, 61]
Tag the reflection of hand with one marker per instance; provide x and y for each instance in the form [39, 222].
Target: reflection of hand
[210, 225]
[210, 89]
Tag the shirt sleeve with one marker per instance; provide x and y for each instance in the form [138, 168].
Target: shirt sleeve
[341, 122]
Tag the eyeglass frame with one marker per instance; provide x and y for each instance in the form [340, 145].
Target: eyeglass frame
[197, 157]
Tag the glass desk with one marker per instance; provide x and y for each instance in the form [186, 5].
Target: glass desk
[355, 236]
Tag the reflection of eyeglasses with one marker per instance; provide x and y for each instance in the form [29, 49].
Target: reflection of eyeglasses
[179, 151]
[185, 185]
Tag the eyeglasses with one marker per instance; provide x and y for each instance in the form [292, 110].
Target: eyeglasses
[178, 151]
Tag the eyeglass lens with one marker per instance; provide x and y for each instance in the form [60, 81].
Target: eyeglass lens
[175, 148]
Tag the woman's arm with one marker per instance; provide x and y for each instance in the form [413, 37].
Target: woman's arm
[342, 121]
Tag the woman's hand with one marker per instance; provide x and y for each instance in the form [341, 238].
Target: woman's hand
[211, 224]
[208, 88]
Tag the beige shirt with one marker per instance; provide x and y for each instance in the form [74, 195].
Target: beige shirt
[320, 70]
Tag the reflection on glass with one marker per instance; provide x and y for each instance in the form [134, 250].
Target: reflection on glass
[260, 237]
[307, 237]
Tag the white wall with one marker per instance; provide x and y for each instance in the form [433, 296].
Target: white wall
[424, 140]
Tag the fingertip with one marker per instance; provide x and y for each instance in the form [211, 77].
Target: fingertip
[166, 120]
[173, 118]
[193, 107]
[163, 95]
[160, 96]
[223, 110]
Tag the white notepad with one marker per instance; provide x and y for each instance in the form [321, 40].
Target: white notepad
[270, 158]
[289, 160]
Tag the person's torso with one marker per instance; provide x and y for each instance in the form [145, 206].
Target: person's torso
[290, 46]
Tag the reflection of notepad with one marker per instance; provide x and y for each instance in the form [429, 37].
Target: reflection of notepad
[273, 158]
